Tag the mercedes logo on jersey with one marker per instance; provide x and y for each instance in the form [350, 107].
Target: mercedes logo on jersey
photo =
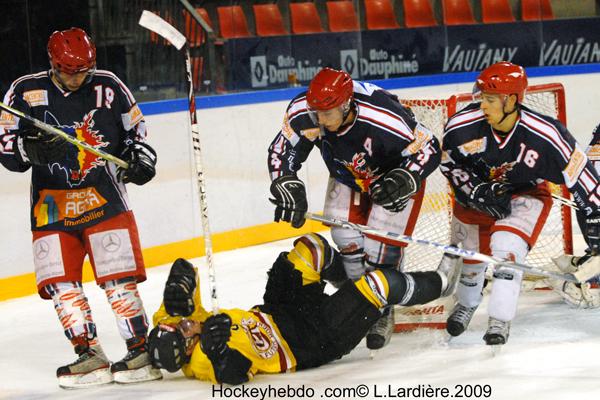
[41, 249]
[111, 242]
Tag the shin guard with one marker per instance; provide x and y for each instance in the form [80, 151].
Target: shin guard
[124, 298]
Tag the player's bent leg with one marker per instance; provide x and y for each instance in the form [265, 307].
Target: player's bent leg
[126, 303]
[345, 318]
[506, 286]
[92, 367]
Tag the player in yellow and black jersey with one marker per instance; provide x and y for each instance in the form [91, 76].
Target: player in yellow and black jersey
[297, 327]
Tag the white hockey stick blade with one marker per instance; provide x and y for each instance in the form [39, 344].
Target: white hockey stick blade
[443, 247]
[156, 24]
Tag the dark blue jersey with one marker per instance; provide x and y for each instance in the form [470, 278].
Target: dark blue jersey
[538, 148]
[384, 135]
[83, 189]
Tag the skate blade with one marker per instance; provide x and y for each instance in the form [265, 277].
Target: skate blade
[98, 377]
[496, 349]
[144, 374]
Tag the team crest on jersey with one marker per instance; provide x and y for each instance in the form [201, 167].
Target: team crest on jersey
[261, 337]
[499, 173]
[79, 168]
[362, 173]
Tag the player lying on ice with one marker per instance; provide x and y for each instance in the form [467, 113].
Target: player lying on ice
[297, 327]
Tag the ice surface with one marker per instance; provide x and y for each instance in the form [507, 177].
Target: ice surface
[553, 351]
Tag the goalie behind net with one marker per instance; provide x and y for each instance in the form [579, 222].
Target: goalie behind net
[434, 219]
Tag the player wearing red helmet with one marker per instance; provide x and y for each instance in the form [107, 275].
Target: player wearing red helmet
[72, 57]
[498, 155]
[378, 157]
[79, 202]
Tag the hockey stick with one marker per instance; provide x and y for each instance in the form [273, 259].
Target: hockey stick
[580, 276]
[55, 131]
[565, 201]
[158, 25]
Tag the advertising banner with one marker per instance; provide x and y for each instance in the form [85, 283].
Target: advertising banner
[282, 61]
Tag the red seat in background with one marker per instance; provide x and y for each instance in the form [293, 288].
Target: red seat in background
[418, 13]
[457, 12]
[496, 11]
[534, 10]
[232, 22]
[268, 20]
[380, 14]
[305, 18]
[342, 17]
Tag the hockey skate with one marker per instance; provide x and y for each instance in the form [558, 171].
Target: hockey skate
[497, 332]
[92, 368]
[380, 333]
[459, 320]
[136, 366]
[449, 269]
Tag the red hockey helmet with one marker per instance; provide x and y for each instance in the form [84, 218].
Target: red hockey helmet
[328, 89]
[71, 51]
[503, 78]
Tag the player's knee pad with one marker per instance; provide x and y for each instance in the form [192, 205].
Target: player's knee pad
[314, 257]
[381, 255]
[508, 246]
[347, 240]
[345, 317]
[126, 303]
[470, 284]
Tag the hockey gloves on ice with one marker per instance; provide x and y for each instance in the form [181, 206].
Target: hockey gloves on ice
[592, 234]
[290, 200]
[393, 190]
[142, 160]
[216, 332]
[492, 198]
[40, 148]
[230, 365]
[178, 297]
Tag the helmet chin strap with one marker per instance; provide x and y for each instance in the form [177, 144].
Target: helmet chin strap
[506, 114]
[347, 109]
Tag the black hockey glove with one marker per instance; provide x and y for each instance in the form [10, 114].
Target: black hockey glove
[142, 160]
[216, 332]
[40, 148]
[290, 200]
[492, 198]
[393, 190]
[178, 297]
[592, 234]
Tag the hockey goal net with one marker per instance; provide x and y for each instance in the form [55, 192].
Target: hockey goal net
[434, 219]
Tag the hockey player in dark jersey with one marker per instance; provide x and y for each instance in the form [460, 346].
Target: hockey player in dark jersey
[498, 155]
[79, 203]
[378, 157]
[297, 327]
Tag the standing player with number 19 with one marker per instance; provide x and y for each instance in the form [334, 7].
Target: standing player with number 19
[79, 203]
[498, 155]
[378, 157]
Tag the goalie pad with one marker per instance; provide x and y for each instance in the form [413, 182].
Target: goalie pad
[574, 294]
